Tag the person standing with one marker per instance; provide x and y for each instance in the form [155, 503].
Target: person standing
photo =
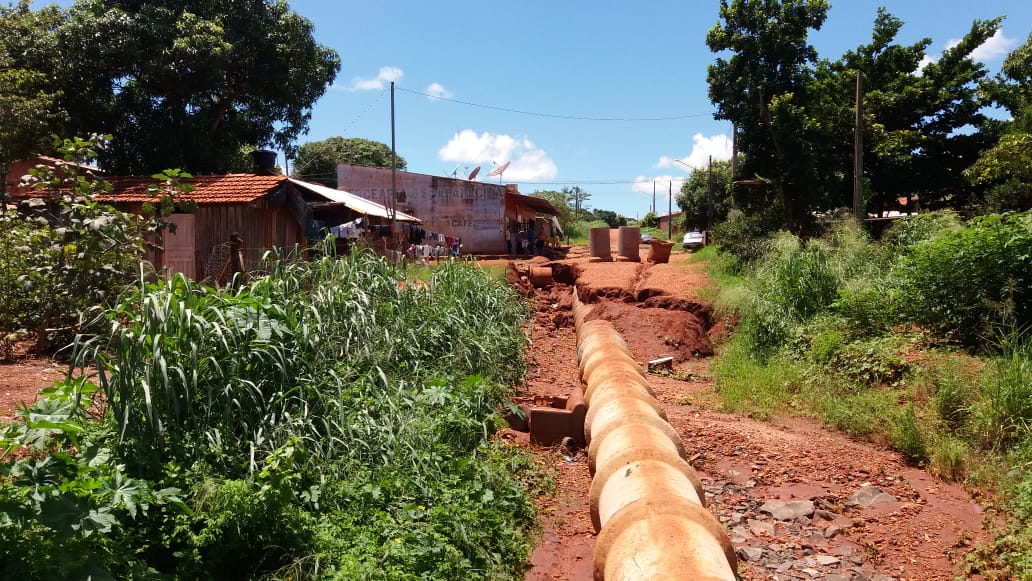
[508, 240]
[530, 239]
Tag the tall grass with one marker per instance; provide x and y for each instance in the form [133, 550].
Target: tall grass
[324, 420]
[864, 336]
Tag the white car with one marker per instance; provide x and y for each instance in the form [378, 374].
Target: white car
[693, 240]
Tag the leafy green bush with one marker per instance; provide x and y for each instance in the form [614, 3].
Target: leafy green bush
[972, 279]
[743, 236]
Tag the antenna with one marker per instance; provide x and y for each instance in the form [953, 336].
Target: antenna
[455, 171]
[473, 174]
[498, 171]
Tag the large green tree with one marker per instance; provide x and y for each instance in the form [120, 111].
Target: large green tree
[1005, 169]
[703, 192]
[763, 88]
[795, 113]
[186, 83]
[27, 108]
[317, 160]
[922, 127]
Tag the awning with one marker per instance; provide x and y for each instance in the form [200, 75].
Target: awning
[353, 202]
[539, 205]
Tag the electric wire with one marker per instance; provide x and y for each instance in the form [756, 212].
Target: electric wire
[554, 116]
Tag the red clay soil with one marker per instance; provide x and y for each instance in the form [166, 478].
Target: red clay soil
[921, 534]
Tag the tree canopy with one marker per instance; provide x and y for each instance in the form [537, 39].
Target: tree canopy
[1005, 169]
[183, 83]
[27, 107]
[794, 112]
[561, 202]
[317, 160]
[697, 193]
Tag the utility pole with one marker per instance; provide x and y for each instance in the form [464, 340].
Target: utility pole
[709, 197]
[669, 211]
[653, 197]
[394, 165]
[858, 152]
[734, 152]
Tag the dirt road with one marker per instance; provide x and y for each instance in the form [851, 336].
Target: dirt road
[871, 516]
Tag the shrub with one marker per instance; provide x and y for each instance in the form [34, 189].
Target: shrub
[908, 437]
[976, 277]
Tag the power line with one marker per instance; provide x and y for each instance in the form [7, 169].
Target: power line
[553, 116]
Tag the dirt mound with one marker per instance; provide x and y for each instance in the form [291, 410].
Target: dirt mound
[652, 331]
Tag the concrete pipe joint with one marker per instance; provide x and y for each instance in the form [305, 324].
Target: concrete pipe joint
[618, 410]
[600, 398]
[620, 380]
[633, 435]
[663, 540]
[622, 460]
[641, 480]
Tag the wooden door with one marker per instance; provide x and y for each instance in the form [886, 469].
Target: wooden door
[181, 247]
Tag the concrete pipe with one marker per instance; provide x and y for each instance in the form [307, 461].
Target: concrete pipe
[627, 240]
[594, 326]
[599, 399]
[625, 408]
[598, 243]
[618, 462]
[593, 365]
[596, 340]
[628, 435]
[580, 313]
[660, 539]
[540, 276]
[619, 379]
[640, 480]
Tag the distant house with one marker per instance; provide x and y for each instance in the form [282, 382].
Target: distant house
[666, 226]
[17, 169]
[477, 212]
[264, 210]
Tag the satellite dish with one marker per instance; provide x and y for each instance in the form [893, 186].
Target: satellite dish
[473, 174]
[499, 170]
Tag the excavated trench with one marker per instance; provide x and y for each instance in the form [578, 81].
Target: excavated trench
[657, 324]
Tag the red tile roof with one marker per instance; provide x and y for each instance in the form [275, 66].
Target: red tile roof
[208, 189]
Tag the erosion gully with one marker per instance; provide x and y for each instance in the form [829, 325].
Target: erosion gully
[797, 501]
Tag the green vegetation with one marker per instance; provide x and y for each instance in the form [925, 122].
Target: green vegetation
[921, 342]
[322, 421]
[66, 256]
[316, 161]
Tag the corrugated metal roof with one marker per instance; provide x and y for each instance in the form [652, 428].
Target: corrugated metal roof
[356, 203]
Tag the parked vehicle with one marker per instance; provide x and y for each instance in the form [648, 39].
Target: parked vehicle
[693, 240]
[645, 238]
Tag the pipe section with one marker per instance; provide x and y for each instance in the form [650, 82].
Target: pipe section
[647, 503]
[598, 243]
[627, 241]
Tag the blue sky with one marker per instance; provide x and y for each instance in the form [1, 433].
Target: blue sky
[605, 59]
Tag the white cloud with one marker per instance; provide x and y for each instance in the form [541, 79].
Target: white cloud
[528, 163]
[437, 91]
[719, 146]
[995, 47]
[377, 83]
[662, 184]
